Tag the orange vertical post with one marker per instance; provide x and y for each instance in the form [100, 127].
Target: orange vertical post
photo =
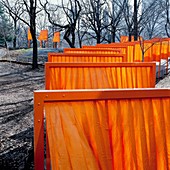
[38, 133]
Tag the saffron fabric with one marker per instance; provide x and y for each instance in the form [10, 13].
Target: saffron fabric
[109, 134]
[91, 76]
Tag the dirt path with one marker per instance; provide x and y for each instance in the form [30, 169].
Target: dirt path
[17, 83]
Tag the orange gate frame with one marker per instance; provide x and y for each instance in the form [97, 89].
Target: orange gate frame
[47, 96]
[99, 75]
[92, 51]
[64, 57]
[43, 37]
[125, 47]
[124, 38]
[56, 39]
[117, 46]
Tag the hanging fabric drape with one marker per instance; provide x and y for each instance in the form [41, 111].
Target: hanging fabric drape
[109, 134]
[73, 57]
[99, 75]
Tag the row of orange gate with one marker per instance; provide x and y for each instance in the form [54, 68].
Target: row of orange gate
[102, 110]
[43, 37]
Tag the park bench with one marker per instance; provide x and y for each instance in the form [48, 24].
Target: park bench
[102, 129]
[64, 57]
[99, 75]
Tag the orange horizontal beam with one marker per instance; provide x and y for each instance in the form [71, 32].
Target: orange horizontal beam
[99, 94]
[86, 64]
[81, 56]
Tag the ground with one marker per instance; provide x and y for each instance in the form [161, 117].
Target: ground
[17, 83]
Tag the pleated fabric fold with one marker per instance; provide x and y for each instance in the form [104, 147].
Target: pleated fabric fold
[100, 77]
[109, 134]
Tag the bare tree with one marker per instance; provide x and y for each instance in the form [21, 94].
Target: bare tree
[94, 18]
[128, 18]
[135, 18]
[167, 24]
[72, 11]
[145, 45]
[144, 11]
[81, 32]
[115, 12]
[22, 36]
[154, 27]
[31, 9]
[18, 10]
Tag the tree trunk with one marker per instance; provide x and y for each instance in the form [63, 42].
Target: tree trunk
[130, 36]
[15, 29]
[113, 34]
[69, 42]
[98, 38]
[135, 21]
[35, 54]
[73, 34]
[167, 25]
[66, 37]
[35, 50]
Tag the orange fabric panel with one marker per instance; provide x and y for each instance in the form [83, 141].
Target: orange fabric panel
[127, 48]
[126, 39]
[157, 46]
[137, 52]
[108, 47]
[56, 37]
[43, 35]
[165, 50]
[148, 56]
[140, 38]
[123, 49]
[112, 46]
[151, 49]
[97, 75]
[84, 57]
[92, 51]
[130, 51]
[109, 134]
[29, 35]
